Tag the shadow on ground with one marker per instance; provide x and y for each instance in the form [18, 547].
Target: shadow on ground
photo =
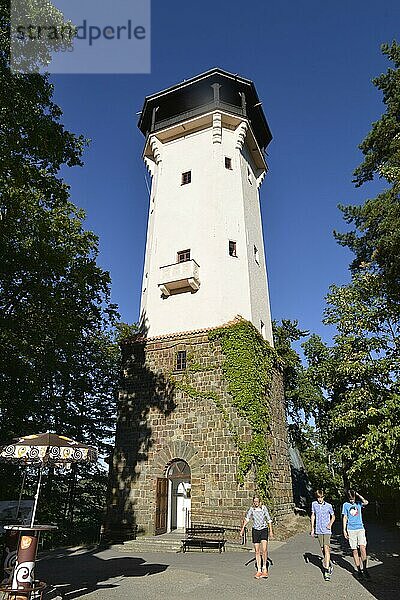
[74, 574]
[384, 562]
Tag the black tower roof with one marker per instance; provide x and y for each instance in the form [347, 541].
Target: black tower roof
[212, 90]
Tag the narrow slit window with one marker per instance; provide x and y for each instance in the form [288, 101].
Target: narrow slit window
[181, 360]
[186, 177]
[256, 256]
[232, 248]
[183, 256]
[249, 179]
[262, 329]
[228, 163]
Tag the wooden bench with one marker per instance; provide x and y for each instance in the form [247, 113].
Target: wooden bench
[204, 536]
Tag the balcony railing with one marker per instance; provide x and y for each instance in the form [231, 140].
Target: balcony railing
[179, 277]
[199, 110]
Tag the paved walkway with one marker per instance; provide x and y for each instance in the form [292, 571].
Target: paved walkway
[294, 575]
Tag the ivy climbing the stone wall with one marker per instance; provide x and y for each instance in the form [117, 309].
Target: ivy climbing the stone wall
[248, 366]
[249, 363]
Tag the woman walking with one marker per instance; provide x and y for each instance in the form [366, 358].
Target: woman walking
[261, 532]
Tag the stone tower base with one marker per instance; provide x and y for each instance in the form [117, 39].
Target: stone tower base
[175, 457]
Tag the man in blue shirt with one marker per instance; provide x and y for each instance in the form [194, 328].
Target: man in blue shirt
[353, 530]
[322, 519]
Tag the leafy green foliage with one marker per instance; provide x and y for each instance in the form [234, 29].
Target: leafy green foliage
[359, 374]
[125, 331]
[376, 239]
[323, 470]
[248, 367]
[301, 395]
[76, 504]
[304, 399]
[23, 57]
[381, 147]
[59, 361]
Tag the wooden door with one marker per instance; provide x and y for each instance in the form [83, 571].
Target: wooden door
[161, 505]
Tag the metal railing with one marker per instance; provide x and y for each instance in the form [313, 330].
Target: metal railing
[199, 110]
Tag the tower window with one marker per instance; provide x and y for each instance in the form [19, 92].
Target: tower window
[249, 176]
[186, 177]
[232, 248]
[183, 255]
[181, 360]
[228, 163]
[262, 329]
[256, 256]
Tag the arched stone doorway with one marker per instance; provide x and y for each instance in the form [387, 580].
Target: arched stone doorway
[179, 495]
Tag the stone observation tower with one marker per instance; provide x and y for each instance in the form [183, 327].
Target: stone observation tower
[179, 433]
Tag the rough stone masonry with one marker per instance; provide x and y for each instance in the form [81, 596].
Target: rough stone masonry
[159, 423]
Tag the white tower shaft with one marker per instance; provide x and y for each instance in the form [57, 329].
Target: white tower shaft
[205, 261]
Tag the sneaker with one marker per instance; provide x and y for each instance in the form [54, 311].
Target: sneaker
[327, 576]
[330, 570]
[359, 574]
[258, 575]
[366, 574]
[264, 573]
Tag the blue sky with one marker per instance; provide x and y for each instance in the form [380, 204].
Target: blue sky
[312, 64]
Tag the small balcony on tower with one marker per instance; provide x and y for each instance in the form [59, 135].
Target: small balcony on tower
[182, 276]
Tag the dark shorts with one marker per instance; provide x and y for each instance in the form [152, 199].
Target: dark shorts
[259, 534]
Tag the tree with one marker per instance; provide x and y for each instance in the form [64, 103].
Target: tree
[359, 374]
[376, 239]
[359, 377]
[304, 399]
[59, 361]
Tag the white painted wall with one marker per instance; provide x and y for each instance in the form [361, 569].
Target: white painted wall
[217, 206]
[258, 281]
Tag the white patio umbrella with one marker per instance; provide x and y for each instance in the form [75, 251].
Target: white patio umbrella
[46, 450]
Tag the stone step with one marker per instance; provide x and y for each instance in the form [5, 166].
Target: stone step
[135, 546]
[157, 544]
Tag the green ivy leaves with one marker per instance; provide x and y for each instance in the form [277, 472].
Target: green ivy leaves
[248, 367]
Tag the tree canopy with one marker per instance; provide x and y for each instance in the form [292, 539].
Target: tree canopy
[359, 374]
[59, 363]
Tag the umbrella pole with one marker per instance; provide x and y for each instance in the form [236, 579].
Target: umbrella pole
[21, 492]
[37, 495]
